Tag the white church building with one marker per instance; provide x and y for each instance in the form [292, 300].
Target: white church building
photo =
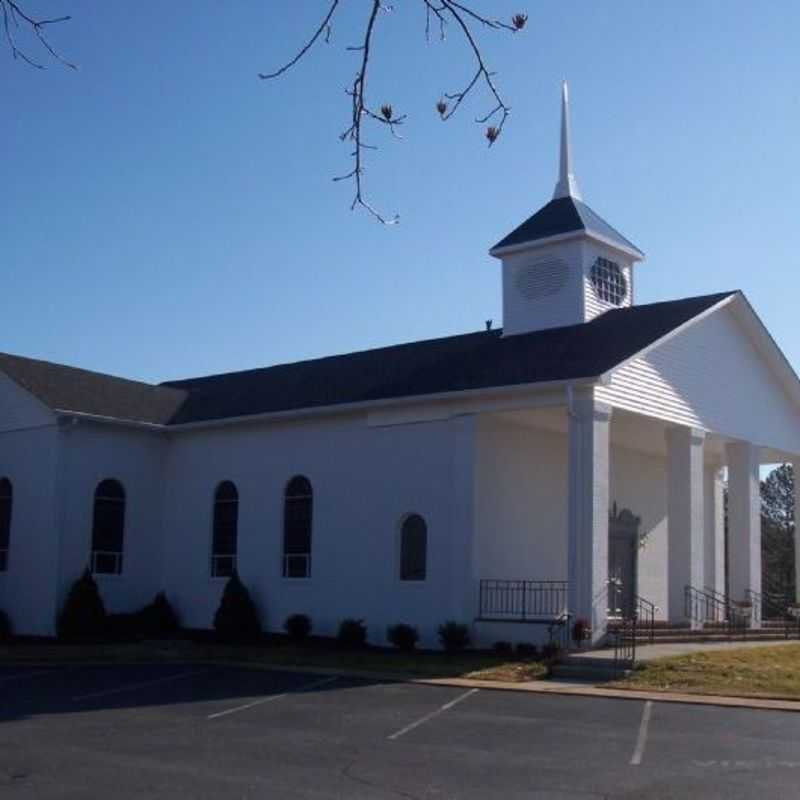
[571, 461]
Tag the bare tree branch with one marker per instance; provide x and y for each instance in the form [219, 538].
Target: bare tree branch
[443, 12]
[325, 26]
[14, 18]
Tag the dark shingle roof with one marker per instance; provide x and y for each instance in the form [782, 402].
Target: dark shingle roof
[563, 215]
[455, 363]
[70, 389]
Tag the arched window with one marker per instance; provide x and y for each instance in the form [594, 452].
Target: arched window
[6, 500]
[226, 524]
[108, 528]
[413, 548]
[297, 514]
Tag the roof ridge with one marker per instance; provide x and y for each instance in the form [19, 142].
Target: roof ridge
[175, 383]
[82, 370]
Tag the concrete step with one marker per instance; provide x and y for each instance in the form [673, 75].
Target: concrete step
[708, 638]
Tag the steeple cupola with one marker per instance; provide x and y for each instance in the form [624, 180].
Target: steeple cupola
[565, 264]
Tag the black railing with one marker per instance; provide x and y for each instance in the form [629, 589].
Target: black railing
[522, 600]
[625, 645]
[774, 608]
[646, 617]
[709, 607]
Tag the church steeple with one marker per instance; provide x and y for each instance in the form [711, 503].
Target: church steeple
[564, 265]
[567, 185]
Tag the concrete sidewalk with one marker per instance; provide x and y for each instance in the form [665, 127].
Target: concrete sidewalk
[649, 652]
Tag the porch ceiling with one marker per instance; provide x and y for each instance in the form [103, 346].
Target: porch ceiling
[630, 431]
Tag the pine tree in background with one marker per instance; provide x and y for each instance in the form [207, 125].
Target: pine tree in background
[778, 532]
[83, 615]
[237, 619]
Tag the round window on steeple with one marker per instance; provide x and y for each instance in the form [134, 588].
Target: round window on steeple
[609, 281]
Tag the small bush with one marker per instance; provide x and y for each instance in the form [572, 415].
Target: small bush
[298, 626]
[526, 650]
[83, 615]
[6, 631]
[402, 636]
[551, 651]
[453, 636]
[352, 633]
[158, 619]
[502, 648]
[236, 619]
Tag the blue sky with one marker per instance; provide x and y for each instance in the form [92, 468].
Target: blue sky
[166, 214]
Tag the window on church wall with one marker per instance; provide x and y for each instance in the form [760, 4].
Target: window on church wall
[108, 528]
[297, 521]
[609, 281]
[6, 501]
[225, 533]
[413, 549]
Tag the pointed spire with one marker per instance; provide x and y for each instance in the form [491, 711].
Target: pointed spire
[567, 185]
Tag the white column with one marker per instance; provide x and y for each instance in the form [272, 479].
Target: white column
[685, 516]
[796, 471]
[463, 578]
[714, 557]
[744, 519]
[587, 509]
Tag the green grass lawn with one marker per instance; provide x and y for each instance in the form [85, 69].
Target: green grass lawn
[417, 664]
[756, 671]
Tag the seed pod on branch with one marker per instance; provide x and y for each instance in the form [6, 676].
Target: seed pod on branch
[519, 21]
[441, 107]
[491, 134]
[386, 112]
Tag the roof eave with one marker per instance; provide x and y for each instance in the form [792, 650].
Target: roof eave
[511, 249]
[344, 408]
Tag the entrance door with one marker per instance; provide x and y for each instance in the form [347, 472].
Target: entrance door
[623, 549]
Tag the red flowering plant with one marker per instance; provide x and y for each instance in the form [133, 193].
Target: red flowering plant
[581, 631]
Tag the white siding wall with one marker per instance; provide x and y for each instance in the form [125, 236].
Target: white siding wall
[522, 314]
[20, 410]
[709, 376]
[521, 523]
[28, 458]
[576, 301]
[639, 483]
[28, 589]
[93, 453]
[364, 480]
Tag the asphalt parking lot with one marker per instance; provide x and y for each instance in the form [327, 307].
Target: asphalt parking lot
[197, 731]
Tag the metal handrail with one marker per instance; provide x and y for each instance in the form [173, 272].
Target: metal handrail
[646, 614]
[522, 599]
[770, 606]
[715, 608]
[625, 645]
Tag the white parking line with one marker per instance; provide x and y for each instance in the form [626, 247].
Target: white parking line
[432, 715]
[641, 740]
[272, 697]
[143, 685]
[19, 676]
